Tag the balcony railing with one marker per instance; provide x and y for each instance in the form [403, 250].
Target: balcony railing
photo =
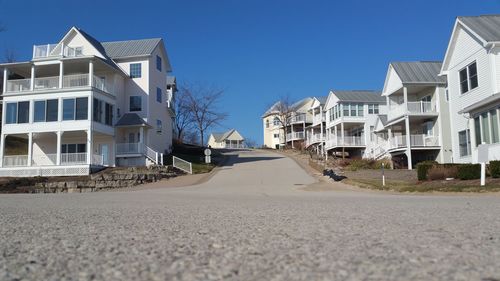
[315, 138]
[295, 136]
[347, 141]
[419, 140]
[15, 161]
[73, 158]
[49, 50]
[234, 145]
[76, 80]
[18, 85]
[297, 119]
[52, 82]
[47, 83]
[129, 148]
[411, 107]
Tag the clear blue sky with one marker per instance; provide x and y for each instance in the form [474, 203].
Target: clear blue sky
[256, 50]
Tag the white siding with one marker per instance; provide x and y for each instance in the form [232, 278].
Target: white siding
[466, 50]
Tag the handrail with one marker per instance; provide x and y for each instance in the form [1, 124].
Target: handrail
[182, 164]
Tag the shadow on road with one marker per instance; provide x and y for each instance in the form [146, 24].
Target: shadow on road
[235, 159]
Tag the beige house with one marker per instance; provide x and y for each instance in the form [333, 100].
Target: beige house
[229, 139]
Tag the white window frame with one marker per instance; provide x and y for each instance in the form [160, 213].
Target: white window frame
[466, 68]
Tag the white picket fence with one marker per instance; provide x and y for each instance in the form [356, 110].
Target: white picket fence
[182, 165]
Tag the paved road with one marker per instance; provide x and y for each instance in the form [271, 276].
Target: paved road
[251, 221]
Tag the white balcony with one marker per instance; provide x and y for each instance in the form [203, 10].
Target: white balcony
[40, 160]
[411, 108]
[347, 141]
[419, 140]
[295, 136]
[52, 50]
[52, 82]
[314, 138]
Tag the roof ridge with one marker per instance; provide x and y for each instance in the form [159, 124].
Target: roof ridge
[122, 41]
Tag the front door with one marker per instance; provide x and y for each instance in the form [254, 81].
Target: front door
[105, 154]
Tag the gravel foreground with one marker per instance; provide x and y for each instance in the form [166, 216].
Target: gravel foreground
[251, 221]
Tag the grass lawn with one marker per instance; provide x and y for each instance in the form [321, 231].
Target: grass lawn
[196, 156]
[492, 185]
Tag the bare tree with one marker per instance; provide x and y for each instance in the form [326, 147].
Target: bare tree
[283, 110]
[183, 116]
[202, 102]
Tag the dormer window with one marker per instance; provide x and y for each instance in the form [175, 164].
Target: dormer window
[468, 78]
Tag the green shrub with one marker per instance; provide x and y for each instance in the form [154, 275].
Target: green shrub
[359, 164]
[469, 171]
[423, 168]
[494, 168]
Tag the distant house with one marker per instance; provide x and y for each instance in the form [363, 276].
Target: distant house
[229, 139]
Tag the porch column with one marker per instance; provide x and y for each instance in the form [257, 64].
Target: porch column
[388, 102]
[32, 81]
[408, 142]
[58, 148]
[61, 74]
[90, 149]
[291, 135]
[91, 73]
[2, 148]
[389, 136]
[405, 98]
[5, 73]
[30, 148]
[342, 132]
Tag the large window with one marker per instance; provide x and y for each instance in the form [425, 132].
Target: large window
[17, 112]
[353, 109]
[486, 127]
[108, 115]
[98, 110]
[468, 78]
[135, 70]
[158, 63]
[74, 148]
[373, 109]
[46, 110]
[464, 143]
[40, 112]
[75, 109]
[11, 113]
[135, 103]
[158, 95]
[23, 112]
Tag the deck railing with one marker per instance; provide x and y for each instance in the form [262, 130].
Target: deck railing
[73, 158]
[49, 50]
[15, 161]
[75, 80]
[182, 164]
[129, 148]
[295, 136]
[47, 83]
[418, 140]
[18, 85]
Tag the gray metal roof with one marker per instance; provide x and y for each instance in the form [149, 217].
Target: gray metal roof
[419, 72]
[322, 100]
[486, 26]
[131, 119]
[359, 96]
[130, 48]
